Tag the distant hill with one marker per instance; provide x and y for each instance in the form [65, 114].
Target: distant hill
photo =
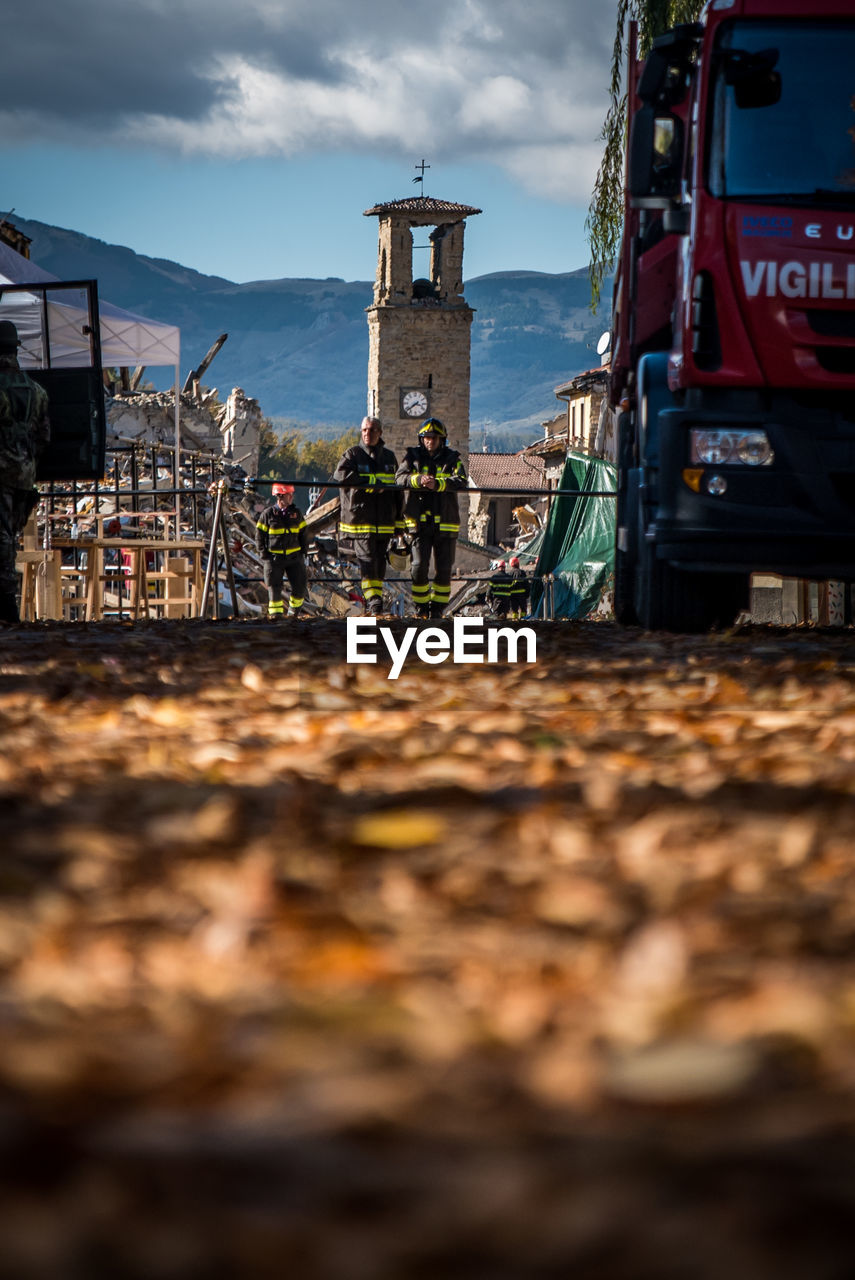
[300, 347]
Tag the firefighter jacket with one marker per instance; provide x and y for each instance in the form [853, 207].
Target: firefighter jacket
[281, 533]
[24, 425]
[372, 508]
[499, 591]
[432, 511]
[519, 591]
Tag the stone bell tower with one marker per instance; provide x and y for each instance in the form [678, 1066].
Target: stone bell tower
[419, 330]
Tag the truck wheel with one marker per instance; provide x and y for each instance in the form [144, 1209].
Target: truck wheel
[669, 599]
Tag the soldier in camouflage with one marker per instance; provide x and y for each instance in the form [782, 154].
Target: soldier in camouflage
[24, 432]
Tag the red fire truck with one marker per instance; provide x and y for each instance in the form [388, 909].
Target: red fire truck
[733, 335]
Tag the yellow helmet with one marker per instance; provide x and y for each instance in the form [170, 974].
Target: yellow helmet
[400, 557]
[433, 426]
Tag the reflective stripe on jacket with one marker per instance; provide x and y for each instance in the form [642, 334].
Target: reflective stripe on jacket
[372, 508]
[281, 533]
[519, 588]
[499, 587]
[434, 511]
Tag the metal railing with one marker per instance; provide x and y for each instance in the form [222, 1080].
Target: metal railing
[135, 475]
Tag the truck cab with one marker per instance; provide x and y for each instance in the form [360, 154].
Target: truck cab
[733, 365]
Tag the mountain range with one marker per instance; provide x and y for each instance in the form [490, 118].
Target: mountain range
[300, 346]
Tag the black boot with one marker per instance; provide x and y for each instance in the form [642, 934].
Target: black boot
[436, 609]
[8, 607]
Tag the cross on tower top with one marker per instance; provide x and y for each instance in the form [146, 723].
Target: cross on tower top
[421, 177]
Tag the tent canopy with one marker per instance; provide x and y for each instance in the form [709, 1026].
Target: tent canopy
[126, 339]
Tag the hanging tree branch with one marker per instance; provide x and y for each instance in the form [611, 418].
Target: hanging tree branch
[603, 224]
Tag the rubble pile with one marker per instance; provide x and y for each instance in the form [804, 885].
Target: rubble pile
[149, 417]
[137, 496]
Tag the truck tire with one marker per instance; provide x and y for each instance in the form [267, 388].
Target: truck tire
[669, 599]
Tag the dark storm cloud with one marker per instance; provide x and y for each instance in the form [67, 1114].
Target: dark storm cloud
[93, 59]
[88, 62]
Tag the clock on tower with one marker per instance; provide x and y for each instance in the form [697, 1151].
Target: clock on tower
[415, 402]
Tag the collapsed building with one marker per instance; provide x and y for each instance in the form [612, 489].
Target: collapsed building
[231, 430]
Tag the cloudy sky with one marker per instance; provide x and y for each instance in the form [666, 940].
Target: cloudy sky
[246, 137]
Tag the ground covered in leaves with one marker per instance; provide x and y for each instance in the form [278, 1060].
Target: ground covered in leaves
[499, 972]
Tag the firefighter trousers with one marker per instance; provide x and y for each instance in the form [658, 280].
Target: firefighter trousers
[425, 592]
[275, 570]
[371, 558]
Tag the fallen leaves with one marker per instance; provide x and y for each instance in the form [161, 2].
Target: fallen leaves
[399, 829]
[247, 891]
[682, 1071]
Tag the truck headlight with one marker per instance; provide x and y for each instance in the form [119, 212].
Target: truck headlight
[710, 447]
[713, 448]
[753, 448]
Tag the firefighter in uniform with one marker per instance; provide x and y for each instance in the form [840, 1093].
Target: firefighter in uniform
[24, 432]
[499, 590]
[370, 510]
[283, 540]
[519, 590]
[432, 473]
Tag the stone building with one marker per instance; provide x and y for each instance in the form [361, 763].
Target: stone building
[551, 450]
[584, 395]
[419, 330]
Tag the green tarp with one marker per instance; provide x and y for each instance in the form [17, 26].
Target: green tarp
[577, 545]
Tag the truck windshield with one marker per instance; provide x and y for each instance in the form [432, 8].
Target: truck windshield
[795, 141]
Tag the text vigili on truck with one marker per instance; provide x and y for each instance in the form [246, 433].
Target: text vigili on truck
[733, 339]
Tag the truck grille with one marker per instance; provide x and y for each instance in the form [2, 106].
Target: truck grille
[837, 359]
[832, 324]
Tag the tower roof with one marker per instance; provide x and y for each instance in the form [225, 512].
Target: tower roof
[422, 209]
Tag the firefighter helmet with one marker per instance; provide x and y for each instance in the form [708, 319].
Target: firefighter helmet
[501, 565]
[287, 489]
[515, 564]
[432, 426]
[400, 556]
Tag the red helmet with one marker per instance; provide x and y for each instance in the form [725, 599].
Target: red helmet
[501, 565]
[515, 564]
[287, 489]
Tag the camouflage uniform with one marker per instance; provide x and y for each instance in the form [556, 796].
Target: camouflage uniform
[24, 432]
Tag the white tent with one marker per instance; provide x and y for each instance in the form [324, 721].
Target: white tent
[127, 340]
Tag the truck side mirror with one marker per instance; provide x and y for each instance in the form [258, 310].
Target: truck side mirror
[655, 160]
